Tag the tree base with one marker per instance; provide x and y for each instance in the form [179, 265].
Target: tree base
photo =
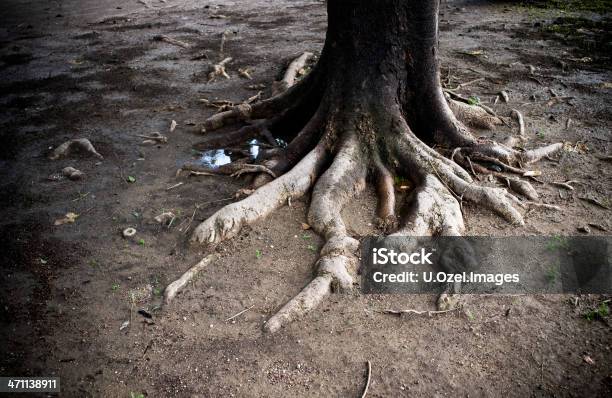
[347, 139]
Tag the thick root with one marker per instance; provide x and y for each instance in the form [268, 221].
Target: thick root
[474, 116]
[293, 70]
[337, 262]
[386, 196]
[432, 210]
[521, 187]
[307, 300]
[292, 97]
[496, 199]
[228, 221]
[534, 155]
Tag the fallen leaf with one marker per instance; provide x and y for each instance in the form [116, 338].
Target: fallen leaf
[588, 360]
[305, 226]
[68, 218]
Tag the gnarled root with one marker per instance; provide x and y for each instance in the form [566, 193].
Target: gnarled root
[227, 222]
[473, 116]
[337, 261]
[293, 70]
[366, 135]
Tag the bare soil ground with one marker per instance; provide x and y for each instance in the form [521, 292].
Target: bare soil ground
[89, 69]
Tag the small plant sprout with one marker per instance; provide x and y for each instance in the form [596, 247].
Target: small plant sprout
[600, 312]
[141, 242]
[258, 254]
[115, 287]
[131, 179]
[473, 100]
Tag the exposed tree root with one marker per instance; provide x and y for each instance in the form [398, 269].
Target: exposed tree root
[226, 223]
[433, 208]
[77, 145]
[291, 74]
[172, 289]
[219, 70]
[172, 41]
[235, 169]
[474, 116]
[345, 136]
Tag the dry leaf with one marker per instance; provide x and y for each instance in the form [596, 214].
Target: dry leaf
[305, 226]
[588, 360]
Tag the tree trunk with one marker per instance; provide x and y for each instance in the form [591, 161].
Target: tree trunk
[386, 52]
[370, 107]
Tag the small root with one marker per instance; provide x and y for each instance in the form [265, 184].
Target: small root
[219, 70]
[521, 122]
[543, 206]
[521, 187]
[367, 385]
[308, 299]
[172, 289]
[237, 113]
[474, 116]
[291, 74]
[172, 41]
[245, 72]
[228, 221]
[253, 168]
[78, 145]
[565, 185]
[534, 155]
[155, 137]
[417, 312]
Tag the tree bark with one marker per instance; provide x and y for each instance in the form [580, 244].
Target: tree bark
[386, 52]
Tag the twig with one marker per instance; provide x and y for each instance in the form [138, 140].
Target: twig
[365, 390]
[240, 313]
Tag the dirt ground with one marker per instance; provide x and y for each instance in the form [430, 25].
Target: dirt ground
[75, 69]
